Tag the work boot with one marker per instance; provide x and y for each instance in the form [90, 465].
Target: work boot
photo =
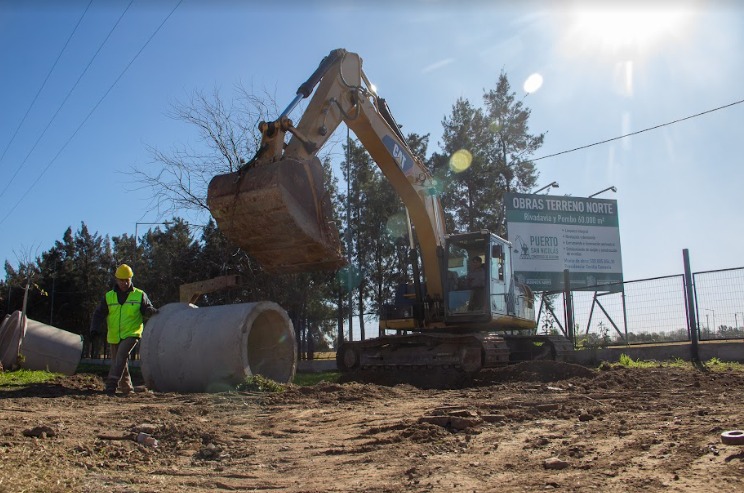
[111, 392]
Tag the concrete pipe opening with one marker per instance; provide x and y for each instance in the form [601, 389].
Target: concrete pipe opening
[212, 349]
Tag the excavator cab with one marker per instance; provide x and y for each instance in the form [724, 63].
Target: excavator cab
[479, 287]
[479, 290]
[467, 285]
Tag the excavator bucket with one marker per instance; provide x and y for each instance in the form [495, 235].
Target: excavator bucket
[280, 214]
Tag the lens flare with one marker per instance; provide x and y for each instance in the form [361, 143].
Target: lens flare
[533, 83]
[436, 187]
[460, 161]
[397, 226]
[349, 277]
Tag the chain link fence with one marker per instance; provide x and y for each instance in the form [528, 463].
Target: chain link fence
[720, 304]
[652, 310]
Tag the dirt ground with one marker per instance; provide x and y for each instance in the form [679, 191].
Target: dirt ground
[528, 427]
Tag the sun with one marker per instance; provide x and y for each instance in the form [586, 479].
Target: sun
[629, 29]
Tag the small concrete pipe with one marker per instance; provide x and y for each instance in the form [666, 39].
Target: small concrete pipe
[212, 349]
[45, 347]
[40, 346]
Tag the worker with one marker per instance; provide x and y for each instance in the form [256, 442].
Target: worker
[476, 277]
[123, 308]
[475, 281]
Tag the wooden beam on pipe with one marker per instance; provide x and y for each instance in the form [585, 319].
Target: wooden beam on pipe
[189, 293]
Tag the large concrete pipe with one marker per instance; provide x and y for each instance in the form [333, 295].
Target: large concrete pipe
[212, 349]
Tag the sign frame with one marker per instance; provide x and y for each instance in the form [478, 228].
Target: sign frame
[551, 233]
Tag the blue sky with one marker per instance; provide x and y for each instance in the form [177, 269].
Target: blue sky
[604, 74]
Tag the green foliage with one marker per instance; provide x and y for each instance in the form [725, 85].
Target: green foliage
[22, 378]
[168, 259]
[378, 250]
[600, 339]
[497, 137]
[628, 362]
[714, 364]
[259, 383]
[310, 379]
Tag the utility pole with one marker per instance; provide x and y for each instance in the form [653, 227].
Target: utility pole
[51, 301]
[25, 295]
[348, 233]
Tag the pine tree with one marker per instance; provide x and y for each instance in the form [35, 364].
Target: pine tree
[485, 153]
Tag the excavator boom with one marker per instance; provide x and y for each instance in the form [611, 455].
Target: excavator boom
[276, 207]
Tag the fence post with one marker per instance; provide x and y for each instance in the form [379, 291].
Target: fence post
[625, 316]
[690, 305]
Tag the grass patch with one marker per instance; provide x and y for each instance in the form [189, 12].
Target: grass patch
[713, 364]
[255, 383]
[628, 362]
[258, 383]
[22, 378]
[324, 355]
[309, 379]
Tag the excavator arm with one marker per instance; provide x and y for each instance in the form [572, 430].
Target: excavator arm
[275, 207]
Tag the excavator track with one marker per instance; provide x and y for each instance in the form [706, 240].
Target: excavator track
[539, 347]
[466, 354]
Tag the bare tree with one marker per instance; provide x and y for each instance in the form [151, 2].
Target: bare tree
[227, 137]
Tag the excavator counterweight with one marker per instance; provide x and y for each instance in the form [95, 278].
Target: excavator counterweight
[280, 214]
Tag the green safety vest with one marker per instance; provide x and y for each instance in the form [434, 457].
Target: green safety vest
[124, 320]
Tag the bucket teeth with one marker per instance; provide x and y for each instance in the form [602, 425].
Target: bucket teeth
[279, 214]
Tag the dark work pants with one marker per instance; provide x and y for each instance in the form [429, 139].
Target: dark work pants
[119, 372]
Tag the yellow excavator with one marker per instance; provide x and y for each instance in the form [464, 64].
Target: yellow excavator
[464, 309]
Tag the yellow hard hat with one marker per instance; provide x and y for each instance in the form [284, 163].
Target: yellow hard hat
[124, 272]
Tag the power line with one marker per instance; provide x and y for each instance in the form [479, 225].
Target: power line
[69, 93]
[43, 84]
[641, 131]
[10, 211]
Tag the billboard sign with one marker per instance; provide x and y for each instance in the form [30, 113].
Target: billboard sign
[552, 233]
